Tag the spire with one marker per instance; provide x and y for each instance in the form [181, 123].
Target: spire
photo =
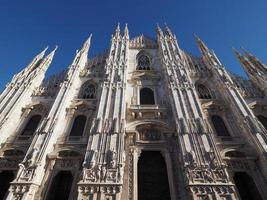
[126, 31]
[83, 52]
[238, 55]
[86, 44]
[202, 46]
[159, 31]
[246, 64]
[42, 53]
[48, 59]
[168, 30]
[36, 60]
[247, 53]
[117, 31]
[254, 60]
[255, 70]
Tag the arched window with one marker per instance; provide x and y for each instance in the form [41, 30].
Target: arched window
[147, 96]
[219, 126]
[88, 91]
[263, 120]
[78, 126]
[246, 187]
[203, 92]
[61, 186]
[32, 125]
[143, 62]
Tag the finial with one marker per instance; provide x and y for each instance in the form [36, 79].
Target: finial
[87, 42]
[247, 53]
[56, 47]
[196, 36]
[159, 31]
[168, 30]
[45, 48]
[236, 52]
[126, 31]
[42, 52]
[118, 28]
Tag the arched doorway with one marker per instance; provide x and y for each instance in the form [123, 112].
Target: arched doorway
[61, 186]
[246, 186]
[5, 178]
[152, 177]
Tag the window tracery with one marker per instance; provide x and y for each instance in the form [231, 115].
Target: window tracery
[143, 63]
[88, 91]
[203, 92]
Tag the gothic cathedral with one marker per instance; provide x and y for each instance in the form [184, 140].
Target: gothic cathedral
[144, 121]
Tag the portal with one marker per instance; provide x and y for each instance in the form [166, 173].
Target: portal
[152, 177]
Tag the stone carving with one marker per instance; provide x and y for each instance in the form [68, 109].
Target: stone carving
[150, 135]
[120, 172]
[190, 159]
[98, 172]
[90, 159]
[18, 190]
[112, 156]
[103, 173]
[30, 158]
[206, 175]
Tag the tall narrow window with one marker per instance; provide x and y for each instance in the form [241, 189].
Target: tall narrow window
[88, 91]
[147, 96]
[143, 62]
[78, 126]
[32, 125]
[203, 92]
[219, 126]
[263, 120]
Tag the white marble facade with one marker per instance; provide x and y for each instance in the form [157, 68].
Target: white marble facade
[83, 132]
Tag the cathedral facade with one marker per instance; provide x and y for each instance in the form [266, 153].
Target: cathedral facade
[143, 121]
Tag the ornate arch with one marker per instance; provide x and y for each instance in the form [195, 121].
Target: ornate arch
[88, 90]
[144, 61]
[132, 126]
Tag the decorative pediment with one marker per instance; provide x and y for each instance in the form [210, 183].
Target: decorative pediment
[258, 104]
[145, 75]
[213, 105]
[143, 41]
[82, 105]
[36, 107]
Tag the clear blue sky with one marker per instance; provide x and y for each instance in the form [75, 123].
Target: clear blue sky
[28, 26]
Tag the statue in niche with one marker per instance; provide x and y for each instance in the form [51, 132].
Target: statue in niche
[212, 158]
[120, 172]
[208, 175]
[112, 155]
[98, 172]
[191, 157]
[103, 173]
[90, 159]
[30, 158]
